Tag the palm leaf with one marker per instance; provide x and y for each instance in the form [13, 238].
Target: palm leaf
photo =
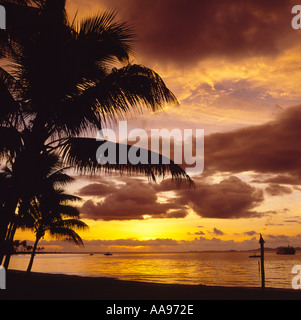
[65, 198]
[74, 224]
[18, 2]
[9, 106]
[80, 153]
[60, 179]
[129, 89]
[67, 234]
[68, 211]
[6, 78]
[109, 39]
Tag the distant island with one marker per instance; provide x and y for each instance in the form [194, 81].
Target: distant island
[41, 252]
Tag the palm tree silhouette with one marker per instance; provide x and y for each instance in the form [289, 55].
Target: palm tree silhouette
[61, 85]
[52, 213]
[47, 179]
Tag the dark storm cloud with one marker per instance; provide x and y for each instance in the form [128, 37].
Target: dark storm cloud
[186, 31]
[97, 189]
[229, 199]
[232, 198]
[275, 190]
[272, 151]
[130, 201]
[272, 148]
[293, 178]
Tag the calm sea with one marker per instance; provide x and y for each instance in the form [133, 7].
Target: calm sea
[211, 269]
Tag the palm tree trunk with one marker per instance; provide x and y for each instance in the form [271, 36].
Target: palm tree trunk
[11, 235]
[33, 254]
[9, 241]
[5, 229]
[3, 234]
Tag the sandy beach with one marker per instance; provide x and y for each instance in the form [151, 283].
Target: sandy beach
[38, 286]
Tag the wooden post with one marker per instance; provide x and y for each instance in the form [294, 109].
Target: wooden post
[262, 242]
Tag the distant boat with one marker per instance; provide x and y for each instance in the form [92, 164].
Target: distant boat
[286, 251]
[108, 254]
[255, 256]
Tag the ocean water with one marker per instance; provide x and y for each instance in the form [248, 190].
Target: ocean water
[230, 269]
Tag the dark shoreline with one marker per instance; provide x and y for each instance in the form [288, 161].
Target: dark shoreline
[38, 286]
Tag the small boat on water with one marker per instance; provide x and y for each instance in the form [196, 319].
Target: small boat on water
[286, 251]
[108, 254]
[255, 256]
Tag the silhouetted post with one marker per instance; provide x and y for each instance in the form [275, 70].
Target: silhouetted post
[262, 242]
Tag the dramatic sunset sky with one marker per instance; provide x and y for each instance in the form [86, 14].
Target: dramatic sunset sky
[235, 67]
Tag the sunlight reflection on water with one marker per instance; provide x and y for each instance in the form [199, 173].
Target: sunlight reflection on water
[212, 269]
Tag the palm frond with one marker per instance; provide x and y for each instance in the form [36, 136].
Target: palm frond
[67, 234]
[6, 78]
[68, 211]
[74, 224]
[131, 89]
[66, 198]
[9, 106]
[110, 39]
[59, 179]
[80, 153]
[18, 2]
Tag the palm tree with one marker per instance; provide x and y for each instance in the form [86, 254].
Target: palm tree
[50, 210]
[46, 173]
[52, 213]
[61, 84]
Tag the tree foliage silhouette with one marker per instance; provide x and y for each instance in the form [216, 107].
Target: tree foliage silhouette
[52, 212]
[63, 81]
